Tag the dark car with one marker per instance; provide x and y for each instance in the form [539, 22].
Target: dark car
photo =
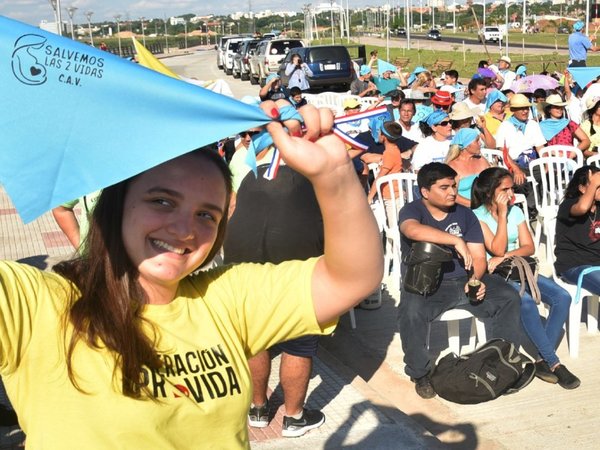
[401, 32]
[563, 30]
[331, 66]
[434, 35]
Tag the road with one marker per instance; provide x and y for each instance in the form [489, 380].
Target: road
[202, 65]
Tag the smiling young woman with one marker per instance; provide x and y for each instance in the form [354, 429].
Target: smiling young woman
[136, 345]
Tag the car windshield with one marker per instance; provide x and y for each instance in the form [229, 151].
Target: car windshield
[331, 53]
[282, 47]
[233, 46]
[492, 29]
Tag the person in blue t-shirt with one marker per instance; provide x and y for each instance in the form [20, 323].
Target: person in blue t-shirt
[437, 218]
[579, 44]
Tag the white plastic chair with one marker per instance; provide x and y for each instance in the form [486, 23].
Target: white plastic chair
[452, 317]
[556, 172]
[331, 98]
[574, 322]
[401, 188]
[593, 161]
[494, 157]
[564, 151]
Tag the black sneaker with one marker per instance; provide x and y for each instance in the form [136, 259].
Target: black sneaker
[258, 416]
[424, 387]
[543, 372]
[311, 419]
[565, 378]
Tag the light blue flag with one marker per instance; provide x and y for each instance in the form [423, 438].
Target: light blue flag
[384, 66]
[584, 75]
[75, 119]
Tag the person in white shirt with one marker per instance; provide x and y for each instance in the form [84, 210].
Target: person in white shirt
[410, 129]
[523, 138]
[476, 100]
[434, 147]
[504, 74]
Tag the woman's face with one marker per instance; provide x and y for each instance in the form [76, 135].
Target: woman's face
[497, 107]
[474, 148]
[556, 112]
[504, 189]
[443, 129]
[583, 190]
[170, 220]
[296, 59]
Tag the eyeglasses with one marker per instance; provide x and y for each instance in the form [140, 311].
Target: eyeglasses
[444, 123]
[249, 133]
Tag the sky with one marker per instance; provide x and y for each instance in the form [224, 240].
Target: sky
[33, 11]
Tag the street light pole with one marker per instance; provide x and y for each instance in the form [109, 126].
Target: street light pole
[331, 19]
[185, 33]
[454, 18]
[483, 4]
[117, 18]
[57, 15]
[88, 16]
[71, 10]
[143, 32]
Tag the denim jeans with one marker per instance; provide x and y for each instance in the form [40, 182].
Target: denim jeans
[591, 281]
[501, 304]
[545, 339]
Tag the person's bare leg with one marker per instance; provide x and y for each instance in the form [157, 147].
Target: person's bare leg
[260, 370]
[294, 375]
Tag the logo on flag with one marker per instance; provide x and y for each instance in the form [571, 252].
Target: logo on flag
[25, 66]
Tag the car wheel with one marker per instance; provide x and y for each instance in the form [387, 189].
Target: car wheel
[244, 76]
[236, 74]
[253, 80]
[228, 71]
[220, 66]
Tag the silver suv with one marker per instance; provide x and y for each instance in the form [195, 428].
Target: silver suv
[230, 49]
[254, 59]
[271, 55]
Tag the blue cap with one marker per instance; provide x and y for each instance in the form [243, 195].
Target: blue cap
[578, 26]
[376, 124]
[364, 70]
[521, 70]
[436, 117]
[271, 77]
[493, 97]
[464, 137]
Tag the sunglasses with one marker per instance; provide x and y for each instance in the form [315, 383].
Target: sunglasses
[444, 123]
[249, 133]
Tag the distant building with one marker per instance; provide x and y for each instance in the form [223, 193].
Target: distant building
[176, 21]
[52, 27]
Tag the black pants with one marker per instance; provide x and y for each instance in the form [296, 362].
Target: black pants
[577, 63]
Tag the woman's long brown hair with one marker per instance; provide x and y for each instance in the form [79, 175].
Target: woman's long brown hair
[107, 310]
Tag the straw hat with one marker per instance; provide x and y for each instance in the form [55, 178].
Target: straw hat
[591, 102]
[519, 101]
[506, 59]
[461, 111]
[555, 100]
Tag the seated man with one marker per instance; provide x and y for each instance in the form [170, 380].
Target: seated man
[437, 218]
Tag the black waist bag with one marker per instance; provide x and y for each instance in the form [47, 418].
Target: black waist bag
[494, 369]
[424, 267]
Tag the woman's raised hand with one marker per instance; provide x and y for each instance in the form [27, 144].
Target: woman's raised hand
[313, 151]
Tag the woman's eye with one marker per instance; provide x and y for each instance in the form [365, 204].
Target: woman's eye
[161, 201]
[208, 216]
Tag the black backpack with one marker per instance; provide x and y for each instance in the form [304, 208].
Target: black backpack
[494, 369]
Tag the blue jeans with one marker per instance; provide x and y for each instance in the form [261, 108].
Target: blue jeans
[501, 304]
[591, 281]
[545, 338]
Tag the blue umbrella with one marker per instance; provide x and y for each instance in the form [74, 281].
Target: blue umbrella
[76, 119]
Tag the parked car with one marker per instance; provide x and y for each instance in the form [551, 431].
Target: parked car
[272, 54]
[563, 30]
[331, 66]
[401, 32]
[487, 34]
[254, 60]
[434, 35]
[220, 47]
[230, 49]
[241, 68]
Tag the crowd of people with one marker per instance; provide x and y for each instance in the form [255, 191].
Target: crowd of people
[131, 335]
